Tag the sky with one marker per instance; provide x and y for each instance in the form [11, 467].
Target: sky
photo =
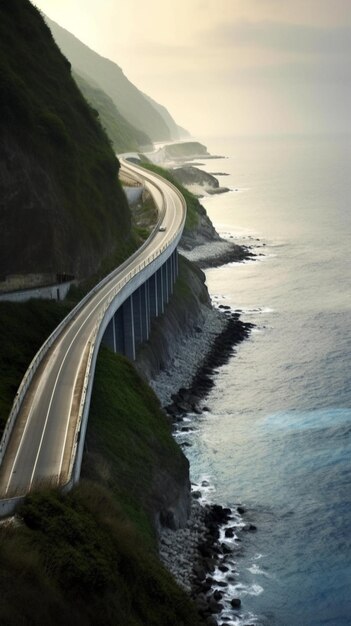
[241, 67]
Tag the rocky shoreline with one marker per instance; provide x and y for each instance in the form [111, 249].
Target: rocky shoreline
[201, 555]
[216, 253]
[188, 399]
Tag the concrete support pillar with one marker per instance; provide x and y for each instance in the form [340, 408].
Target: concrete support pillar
[131, 324]
[109, 338]
[144, 311]
[153, 295]
[160, 291]
[165, 282]
[175, 265]
[128, 329]
[137, 317]
[176, 258]
[119, 330]
[171, 264]
[170, 276]
[148, 309]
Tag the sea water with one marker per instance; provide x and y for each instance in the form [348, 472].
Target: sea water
[277, 437]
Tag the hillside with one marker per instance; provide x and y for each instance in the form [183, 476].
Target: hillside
[177, 132]
[124, 136]
[197, 221]
[58, 173]
[90, 557]
[130, 102]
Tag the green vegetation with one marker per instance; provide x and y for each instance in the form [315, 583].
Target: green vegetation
[61, 172]
[124, 136]
[78, 560]
[194, 208]
[125, 416]
[144, 218]
[90, 557]
[23, 329]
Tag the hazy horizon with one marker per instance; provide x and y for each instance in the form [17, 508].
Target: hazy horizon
[244, 67]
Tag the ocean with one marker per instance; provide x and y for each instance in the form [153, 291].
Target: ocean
[277, 437]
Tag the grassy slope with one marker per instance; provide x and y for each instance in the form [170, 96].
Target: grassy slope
[44, 117]
[124, 136]
[130, 437]
[78, 560]
[89, 557]
[23, 329]
[194, 209]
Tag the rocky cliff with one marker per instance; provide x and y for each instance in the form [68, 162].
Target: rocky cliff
[198, 181]
[107, 75]
[123, 135]
[62, 209]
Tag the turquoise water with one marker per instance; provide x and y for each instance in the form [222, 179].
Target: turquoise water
[278, 435]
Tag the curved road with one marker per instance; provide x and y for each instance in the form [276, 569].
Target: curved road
[41, 445]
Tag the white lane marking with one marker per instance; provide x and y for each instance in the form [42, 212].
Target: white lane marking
[41, 383]
[55, 385]
[19, 448]
[56, 381]
[69, 413]
[69, 329]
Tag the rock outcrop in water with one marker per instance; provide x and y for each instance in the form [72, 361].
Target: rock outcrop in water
[197, 181]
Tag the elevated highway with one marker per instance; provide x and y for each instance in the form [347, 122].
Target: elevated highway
[44, 437]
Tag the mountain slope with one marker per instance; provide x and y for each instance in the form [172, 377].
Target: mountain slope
[131, 103]
[177, 132]
[62, 209]
[123, 135]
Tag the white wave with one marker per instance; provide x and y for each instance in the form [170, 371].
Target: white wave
[197, 189]
[254, 311]
[254, 569]
[246, 590]
[238, 620]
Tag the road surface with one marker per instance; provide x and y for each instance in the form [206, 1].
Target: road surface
[40, 448]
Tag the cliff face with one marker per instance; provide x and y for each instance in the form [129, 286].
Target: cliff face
[130, 102]
[123, 135]
[198, 227]
[177, 132]
[203, 232]
[62, 209]
[197, 181]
